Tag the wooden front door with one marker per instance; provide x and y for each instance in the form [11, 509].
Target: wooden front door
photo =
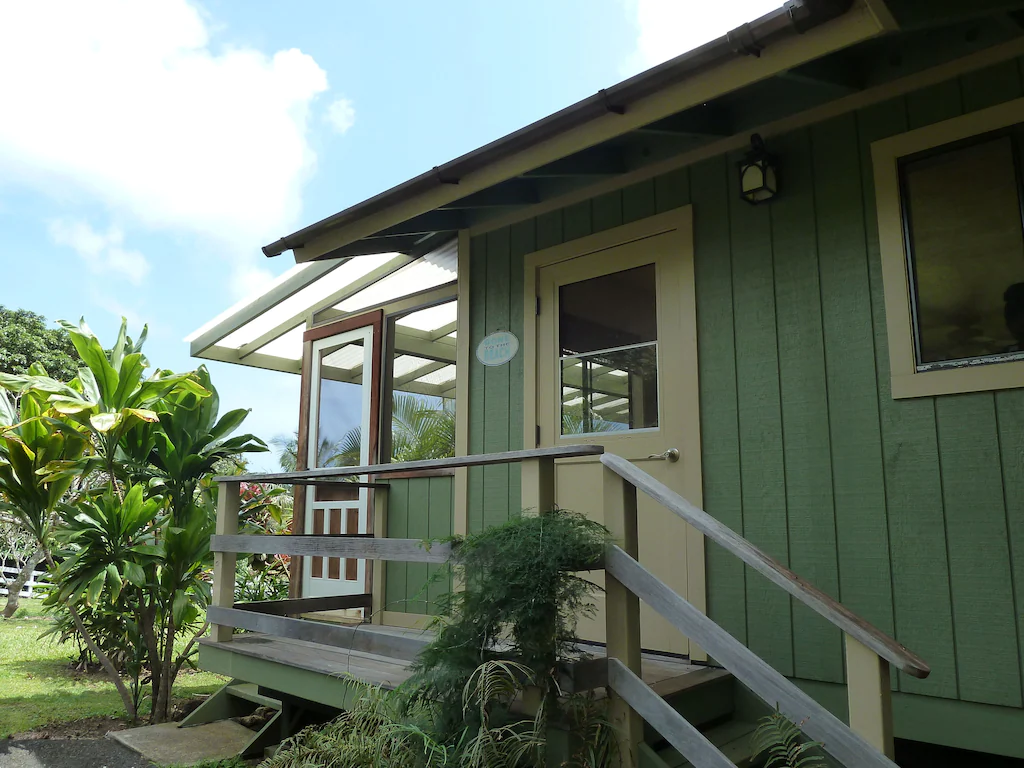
[616, 365]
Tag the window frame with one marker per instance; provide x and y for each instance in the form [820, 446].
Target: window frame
[973, 375]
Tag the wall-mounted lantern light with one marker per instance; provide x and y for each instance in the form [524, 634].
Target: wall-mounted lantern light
[758, 175]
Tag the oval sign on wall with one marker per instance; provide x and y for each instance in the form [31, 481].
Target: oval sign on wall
[498, 348]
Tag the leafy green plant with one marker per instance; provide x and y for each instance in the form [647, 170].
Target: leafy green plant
[25, 340]
[781, 743]
[521, 602]
[126, 461]
[227, 762]
[381, 729]
[504, 641]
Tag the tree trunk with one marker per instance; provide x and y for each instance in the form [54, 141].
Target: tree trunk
[147, 625]
[162, 701]
[122, 689]
[15, 587]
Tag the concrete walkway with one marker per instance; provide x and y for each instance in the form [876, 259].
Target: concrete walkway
[70, 753]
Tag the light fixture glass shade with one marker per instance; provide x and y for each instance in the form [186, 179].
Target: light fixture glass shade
[758, 179]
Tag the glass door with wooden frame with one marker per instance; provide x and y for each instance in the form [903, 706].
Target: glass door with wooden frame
[339, 433]
[616, 366]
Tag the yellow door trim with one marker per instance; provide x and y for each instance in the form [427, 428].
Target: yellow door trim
[677, 223]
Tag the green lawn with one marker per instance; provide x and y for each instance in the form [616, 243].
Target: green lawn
[37, 687]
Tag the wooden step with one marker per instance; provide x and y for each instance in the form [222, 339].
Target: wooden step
[731, 737]
[703, 697]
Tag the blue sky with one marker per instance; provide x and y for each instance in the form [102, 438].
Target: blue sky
[148, 150]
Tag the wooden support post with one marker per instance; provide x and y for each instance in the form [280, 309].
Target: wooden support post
[870, 695]
[622, 612]
[228, 501]
[539, 484]
[380, 531]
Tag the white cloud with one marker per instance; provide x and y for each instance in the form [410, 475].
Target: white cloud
[126, 102]
[667, 28]
[103, 253]
[341, 114]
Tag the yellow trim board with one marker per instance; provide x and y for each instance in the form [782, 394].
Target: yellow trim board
[855, 26]
[885, 155]
[463, 359]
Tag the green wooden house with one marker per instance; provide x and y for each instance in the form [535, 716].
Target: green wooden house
[816, 335]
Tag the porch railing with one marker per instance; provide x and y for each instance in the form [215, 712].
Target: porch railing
[867, 741]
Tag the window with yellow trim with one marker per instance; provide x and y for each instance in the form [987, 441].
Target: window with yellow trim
[951, 226]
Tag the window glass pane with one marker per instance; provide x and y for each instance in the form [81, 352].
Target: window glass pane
[422, 394]
[615, 310]
[967, 251]
[608, 338]
[340, 406]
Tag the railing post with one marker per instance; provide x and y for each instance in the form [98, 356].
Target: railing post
[228, 502]
[622, 612]
[870, 695]
[538, 481]
[380, 531]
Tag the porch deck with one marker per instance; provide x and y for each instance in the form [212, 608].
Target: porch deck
[322, 673]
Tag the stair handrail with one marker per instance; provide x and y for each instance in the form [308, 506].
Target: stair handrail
[833, 611]
[771, 686]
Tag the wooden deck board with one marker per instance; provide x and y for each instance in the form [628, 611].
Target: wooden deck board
[389, 672]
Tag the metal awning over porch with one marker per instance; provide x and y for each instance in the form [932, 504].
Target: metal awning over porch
[266, 330]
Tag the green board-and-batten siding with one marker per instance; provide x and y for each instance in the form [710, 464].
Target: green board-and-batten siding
[418, 508]
[911, 512]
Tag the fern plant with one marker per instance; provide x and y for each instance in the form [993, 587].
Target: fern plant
[781, 743]
[521, 600]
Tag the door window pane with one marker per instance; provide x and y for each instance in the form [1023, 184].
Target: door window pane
[340, 406]
[963, 228]
[608, 342]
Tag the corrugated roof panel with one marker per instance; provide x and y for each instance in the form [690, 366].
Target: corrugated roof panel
[441, 376]
[288, 345]
[421, 275]
[302, 300]
[432, 318]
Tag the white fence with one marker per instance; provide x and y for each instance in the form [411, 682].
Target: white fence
[33, 585]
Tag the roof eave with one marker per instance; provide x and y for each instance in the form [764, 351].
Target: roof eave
[796, 17]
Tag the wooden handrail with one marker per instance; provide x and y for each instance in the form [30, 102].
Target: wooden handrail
[673, 727]
[328, 545]
[326, 474]
[306, 604]
[833, 611]
[756, 674]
